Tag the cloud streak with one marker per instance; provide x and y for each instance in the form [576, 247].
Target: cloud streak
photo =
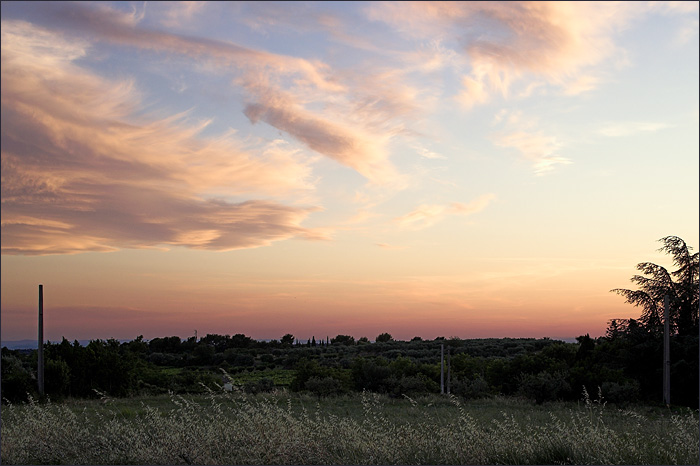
[427, 215]
[533, 144]
[507, 42]
[629, 128]
[263, 76]
[81, 173]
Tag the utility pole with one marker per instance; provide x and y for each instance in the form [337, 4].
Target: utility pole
[442, 369]
[40, 358]
[667, 354]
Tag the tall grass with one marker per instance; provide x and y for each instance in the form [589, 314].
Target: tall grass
[235, 428]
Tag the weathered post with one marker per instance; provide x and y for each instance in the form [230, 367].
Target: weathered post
[442, 369]
[448, 370]
[667, 354]
[40, 358]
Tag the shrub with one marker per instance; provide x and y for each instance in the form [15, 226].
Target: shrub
[56, 377]
[267, 358]
[410, 385]
[17, 380]
[264, 385]
[543, 386]
[475, 388]
[326, 386]
[370, 374]
[621, 394]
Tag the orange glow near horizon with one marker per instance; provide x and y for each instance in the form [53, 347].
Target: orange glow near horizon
[468, 306]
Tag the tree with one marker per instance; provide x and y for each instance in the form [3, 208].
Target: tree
[384, 337]
[287, 340]
[343, 340]
[680, 285]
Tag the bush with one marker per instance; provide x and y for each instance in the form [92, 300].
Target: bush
[17, 381]
[244, 360]
[621, 394]
[56, 378]
[544, 386]
[370, 374]
[410, 385]
[267, 358]
[475, 388]
[264, 385]
[322, 387]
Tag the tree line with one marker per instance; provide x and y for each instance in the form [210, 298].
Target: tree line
[626, 363]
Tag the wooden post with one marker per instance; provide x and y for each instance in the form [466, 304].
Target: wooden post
[448, 370]
[442, 369]
[40, 355]
[667, 354]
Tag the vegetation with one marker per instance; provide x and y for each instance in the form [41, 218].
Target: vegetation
[538, 369]
[681, 286]
[284, 428]
[231, 399]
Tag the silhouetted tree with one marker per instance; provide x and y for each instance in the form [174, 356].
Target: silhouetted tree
[287, 340]
[384, 337]
[343, 340]
[680, 285]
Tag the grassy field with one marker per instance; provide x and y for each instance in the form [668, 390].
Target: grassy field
[285, 428]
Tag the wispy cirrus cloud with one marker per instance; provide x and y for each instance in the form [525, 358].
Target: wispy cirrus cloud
[629, 128]
[506, 42]
[103, 23]
[81, 172]
[428, 215]
[522, 134]
[353, 131]
[176, 14]
[349, 145]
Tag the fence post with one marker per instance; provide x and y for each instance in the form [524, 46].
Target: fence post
[442, 369]
[448, 370]
[40, 354]
[667, 354]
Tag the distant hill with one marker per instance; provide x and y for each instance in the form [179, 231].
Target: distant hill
[31, 344]
[19, 344]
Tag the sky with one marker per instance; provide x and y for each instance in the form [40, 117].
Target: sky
[456, 169]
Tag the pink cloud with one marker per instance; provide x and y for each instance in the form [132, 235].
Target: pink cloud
[349, 146]
[81, 173]
[426, 215]
[506, 42]
[351, 136]
[533, 144]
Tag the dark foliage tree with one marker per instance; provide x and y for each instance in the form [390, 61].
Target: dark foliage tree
[287, 340]
[17, 377]
[343, 340]
[680, 285]
[384, 337]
